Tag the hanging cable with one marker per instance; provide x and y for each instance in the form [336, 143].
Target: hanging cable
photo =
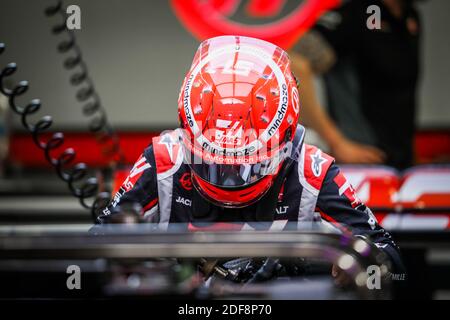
[86, 92]
[76, 177]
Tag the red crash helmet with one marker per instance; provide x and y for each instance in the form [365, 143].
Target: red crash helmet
[238, 108]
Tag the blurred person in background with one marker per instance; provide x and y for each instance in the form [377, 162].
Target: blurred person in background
[370, 76]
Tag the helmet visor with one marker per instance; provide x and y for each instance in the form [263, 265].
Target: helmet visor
[231, 175]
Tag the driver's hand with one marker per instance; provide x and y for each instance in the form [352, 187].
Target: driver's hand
[346, 151]
[127, 213]
[340, 277]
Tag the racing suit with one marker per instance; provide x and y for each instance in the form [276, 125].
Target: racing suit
[313, 190]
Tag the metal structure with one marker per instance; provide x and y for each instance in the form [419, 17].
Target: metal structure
[118, 251]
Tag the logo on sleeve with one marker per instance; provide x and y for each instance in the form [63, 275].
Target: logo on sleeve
[372, 221]
[136, 172]
[317, 163]
[346, 189]
[140, 166]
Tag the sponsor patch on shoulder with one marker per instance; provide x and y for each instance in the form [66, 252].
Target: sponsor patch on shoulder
[317, 161]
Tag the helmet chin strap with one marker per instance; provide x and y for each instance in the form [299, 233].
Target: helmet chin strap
[267, 205]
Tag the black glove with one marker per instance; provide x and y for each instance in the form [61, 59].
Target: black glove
[251, 270]
[270, 269]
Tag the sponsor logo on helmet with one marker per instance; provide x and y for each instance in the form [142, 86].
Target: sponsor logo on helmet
[281, 112]
[295, 100]
[187, 103]
[249, 154]
[230, 134]
[226, 152]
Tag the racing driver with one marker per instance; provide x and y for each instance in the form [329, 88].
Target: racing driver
[239, 155]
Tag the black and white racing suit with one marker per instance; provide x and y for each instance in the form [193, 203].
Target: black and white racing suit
[314, 190]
